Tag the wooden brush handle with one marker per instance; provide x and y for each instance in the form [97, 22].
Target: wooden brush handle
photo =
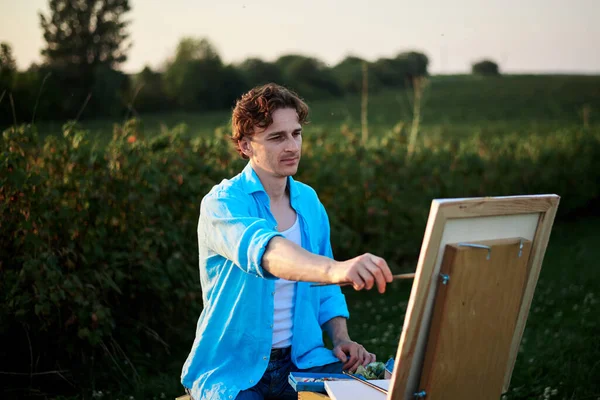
[395, 277]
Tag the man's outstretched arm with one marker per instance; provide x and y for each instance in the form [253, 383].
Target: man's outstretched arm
[253, 245]
[285, 259]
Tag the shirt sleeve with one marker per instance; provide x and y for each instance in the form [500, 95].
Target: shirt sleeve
[333, 302]
[226, 226]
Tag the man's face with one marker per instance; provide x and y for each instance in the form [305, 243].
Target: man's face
[276, 150]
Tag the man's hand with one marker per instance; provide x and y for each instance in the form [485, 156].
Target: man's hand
[363, 272]
[352, 355]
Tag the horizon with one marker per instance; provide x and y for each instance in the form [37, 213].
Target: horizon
[540, 37]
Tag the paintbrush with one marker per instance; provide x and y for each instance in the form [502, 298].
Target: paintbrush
[394, 277]
[382, 390]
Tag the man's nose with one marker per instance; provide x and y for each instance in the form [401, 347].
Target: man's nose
[292, 144]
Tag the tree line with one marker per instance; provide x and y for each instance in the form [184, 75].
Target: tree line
[87, 41]
[194, 79]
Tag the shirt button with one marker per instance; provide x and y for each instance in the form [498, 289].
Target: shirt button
[271, 325]
[272, 293]
[265, 357]
[251, 381]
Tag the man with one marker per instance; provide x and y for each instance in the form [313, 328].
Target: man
[262, 238]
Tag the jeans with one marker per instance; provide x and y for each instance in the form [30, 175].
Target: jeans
[274, 383]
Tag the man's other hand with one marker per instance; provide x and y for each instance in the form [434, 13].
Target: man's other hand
[363, 271]
[352, 355]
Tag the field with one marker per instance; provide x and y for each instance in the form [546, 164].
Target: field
[508, 135]
[452, 106]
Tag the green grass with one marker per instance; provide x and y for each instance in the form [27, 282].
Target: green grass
[453, 106]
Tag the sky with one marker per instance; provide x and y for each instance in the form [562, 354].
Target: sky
[522, 36]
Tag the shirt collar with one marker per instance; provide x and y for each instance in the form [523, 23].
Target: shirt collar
[251, 182]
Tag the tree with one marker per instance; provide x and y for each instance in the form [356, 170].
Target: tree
[191, 49]
[401, 70]
[349, 74]
[388, 72]
[148, 92]
[413, 64]
[7, 61]
[8, 70]
[284, 61]
[192, 74]
[258, 72]
[86, 41]
[196, 78]
[308, 76]
[486, 68]
[86, 33]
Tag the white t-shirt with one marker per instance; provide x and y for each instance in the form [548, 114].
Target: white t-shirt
[285, 298]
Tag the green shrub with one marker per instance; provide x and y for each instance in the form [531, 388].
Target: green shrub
[98, 251]
[485, 67]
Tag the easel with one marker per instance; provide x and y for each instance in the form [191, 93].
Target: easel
[477, 272]
[480, 287]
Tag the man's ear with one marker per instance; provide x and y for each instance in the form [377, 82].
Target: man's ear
[245, 146]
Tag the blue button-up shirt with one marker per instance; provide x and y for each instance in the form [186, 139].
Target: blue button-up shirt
[235, 330]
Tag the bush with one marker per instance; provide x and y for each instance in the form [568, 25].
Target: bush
[98, 251]
[485, 67]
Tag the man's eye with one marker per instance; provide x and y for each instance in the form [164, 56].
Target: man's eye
[298, 133]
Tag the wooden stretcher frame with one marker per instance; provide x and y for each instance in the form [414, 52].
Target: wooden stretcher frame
[537, 210]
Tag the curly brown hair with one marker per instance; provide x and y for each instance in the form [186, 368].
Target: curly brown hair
[255, 109]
